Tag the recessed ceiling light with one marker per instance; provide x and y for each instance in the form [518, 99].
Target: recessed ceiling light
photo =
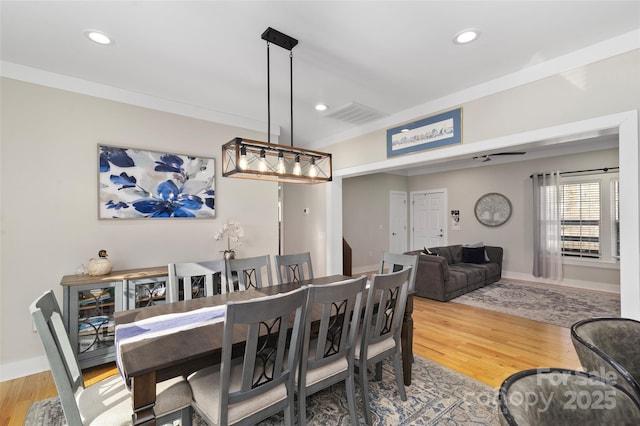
[466, 36]
[97, 37]
[321, 107]
[404, 130]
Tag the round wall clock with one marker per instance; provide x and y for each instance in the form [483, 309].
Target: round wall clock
[493, 209]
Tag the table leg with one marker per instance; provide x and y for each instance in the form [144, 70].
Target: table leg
[143, 389]
[407, 341]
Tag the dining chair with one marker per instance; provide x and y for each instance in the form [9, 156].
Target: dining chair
[249, 272]
[107, 402]
[381, 328]
[330, 332]
[562, 397]
[198, 279]
[260, 383]
[392, 262]
[292, 267]
[609, 347]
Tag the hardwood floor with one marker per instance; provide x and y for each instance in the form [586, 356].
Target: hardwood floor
[485, 345]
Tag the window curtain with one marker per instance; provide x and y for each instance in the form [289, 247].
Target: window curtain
[547, 250]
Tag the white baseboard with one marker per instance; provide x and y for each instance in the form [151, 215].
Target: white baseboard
[26, 367]
[585, 285]
[365, 269]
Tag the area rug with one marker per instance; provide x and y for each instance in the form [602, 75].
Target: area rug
[556, 305]
[437, 396]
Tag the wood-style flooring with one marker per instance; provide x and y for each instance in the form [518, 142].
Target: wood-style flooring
[486, 345]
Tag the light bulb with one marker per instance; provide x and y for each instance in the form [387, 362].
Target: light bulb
[262, 165]
[313, 170]
[281, 167]
[243, 158]
[297, 170]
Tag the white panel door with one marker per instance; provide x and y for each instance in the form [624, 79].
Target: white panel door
[398, 222]
[428, 219]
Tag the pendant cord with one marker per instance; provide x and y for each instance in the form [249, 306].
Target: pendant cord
[268, 99]
[291, 91]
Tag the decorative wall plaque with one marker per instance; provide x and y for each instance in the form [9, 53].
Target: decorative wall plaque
[493, 209]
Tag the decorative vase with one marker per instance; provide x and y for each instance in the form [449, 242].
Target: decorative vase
[229, 254]
[101, 265]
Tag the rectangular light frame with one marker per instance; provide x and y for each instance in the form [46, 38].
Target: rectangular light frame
[274, 162]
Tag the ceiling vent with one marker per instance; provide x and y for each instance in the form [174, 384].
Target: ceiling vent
[355, 113]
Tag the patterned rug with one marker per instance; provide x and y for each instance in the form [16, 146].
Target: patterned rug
[437, 396]
[556, 305]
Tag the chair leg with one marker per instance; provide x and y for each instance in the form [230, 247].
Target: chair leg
[289, 411]
[397, 367]
[351, 399]
[364, 389]
[186, 416]
[378, 371]
[302, 407]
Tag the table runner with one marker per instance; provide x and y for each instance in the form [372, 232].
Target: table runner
[162, 325]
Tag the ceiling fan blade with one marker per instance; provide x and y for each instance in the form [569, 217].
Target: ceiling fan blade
[508, 153]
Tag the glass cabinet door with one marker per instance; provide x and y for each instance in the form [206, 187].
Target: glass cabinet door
[92, 327]
[144, 292]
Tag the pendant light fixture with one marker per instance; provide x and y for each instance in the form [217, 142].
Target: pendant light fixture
[250, 159]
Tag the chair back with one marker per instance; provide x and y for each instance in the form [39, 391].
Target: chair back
[384, 311]
[330, 308]
[64, 365]
[392, 262]
[250, 272]
[609, 347]
[197, 278]
[269, 352]
[292, 267]
[559, 397]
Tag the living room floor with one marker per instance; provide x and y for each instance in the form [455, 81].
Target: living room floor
[487, 345]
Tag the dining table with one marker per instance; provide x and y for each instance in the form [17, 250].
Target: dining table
[158, 356]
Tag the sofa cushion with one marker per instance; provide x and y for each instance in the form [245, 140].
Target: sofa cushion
[443, 252]
[457, 281]
[492, 271]
[473, 255]
[473, 273]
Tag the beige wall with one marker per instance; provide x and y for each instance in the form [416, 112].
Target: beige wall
[49, 202]
[601, 88]
[365, 216]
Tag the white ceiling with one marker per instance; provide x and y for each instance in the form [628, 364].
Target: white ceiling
[390, 56]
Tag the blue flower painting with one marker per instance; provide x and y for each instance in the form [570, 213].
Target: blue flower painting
[146, 184]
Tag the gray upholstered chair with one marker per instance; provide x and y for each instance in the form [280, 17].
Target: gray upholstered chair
[294, 267]
[250, 272]
[197, 278]
[109, 400]
[610, 347]
[329, 337]
[381, 328]
[561, 397]
[260, 383]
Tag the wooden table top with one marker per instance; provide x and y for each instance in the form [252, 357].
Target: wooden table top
[189, 350]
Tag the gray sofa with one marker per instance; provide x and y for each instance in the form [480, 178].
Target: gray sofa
[444, 274]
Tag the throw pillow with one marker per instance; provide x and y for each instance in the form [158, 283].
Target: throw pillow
[480, 244]
[473, 255]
